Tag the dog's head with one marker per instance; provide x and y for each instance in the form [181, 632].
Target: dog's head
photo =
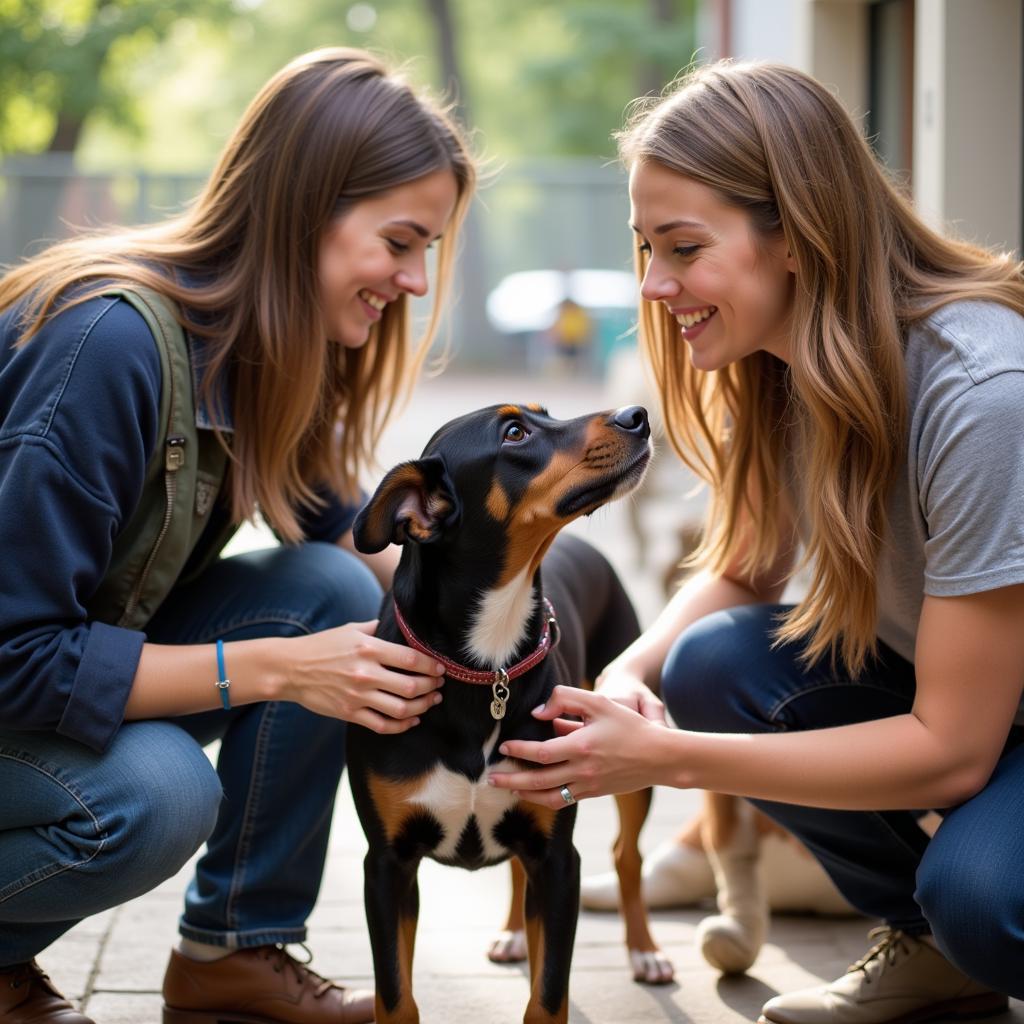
[504, 480]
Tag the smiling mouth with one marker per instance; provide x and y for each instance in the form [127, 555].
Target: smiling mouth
[594, 495]
[372, 299]
[698, 316]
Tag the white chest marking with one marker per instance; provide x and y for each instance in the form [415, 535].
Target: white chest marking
[452, 798]
[500, 621]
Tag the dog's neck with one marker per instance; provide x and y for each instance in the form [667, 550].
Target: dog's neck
[476, 622]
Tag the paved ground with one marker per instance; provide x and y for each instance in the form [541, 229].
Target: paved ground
[113, 963]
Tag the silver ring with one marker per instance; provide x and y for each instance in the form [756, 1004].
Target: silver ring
[567, 795]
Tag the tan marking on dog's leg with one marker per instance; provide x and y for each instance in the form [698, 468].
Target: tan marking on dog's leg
[516, 916]
[535, 1012]
[406, 1012]
[510, 945]
[543, 817]
[633, 809]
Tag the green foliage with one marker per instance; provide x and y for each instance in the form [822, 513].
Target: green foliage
[62, 60]
[160, 83]
[566, 71]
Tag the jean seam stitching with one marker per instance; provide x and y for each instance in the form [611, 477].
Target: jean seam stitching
[258, 620]
[245, 834]
[100, 831]
[789, 698]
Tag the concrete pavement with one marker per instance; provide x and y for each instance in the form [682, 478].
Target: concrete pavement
[113, 963]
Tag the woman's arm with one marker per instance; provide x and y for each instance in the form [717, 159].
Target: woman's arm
[345, 673]
[632, 676]
[970, 674]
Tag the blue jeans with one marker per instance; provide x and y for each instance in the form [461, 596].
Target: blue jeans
[81, 831]
[965, 886]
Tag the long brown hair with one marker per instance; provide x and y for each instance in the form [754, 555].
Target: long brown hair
[331, 128]
[771, 140]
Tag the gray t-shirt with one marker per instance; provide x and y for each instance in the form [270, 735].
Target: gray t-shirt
[956, 512]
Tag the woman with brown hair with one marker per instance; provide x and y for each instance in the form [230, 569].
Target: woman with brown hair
[158, 387]
[848, 380]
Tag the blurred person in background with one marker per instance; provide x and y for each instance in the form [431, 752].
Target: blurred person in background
[158, 386]
[849, 380]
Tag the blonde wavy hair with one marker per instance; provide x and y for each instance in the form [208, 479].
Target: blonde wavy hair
[331, 128]
[772, 141]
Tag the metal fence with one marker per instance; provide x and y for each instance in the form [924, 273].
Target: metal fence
[552, 215]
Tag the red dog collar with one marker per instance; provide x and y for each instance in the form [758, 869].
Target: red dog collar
[502, 675]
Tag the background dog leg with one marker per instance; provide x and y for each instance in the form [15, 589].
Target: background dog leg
[731, 939]
[509, 947]
[648, 963]
[392, 909]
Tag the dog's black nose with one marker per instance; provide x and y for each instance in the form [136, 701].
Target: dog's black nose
[634, 419]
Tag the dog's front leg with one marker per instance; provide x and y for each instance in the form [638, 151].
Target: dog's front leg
[552, 907]
[392, 908]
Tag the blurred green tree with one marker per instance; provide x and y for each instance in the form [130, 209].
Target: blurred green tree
[62, 61]
[161, 82]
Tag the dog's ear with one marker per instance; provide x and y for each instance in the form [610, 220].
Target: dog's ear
[414, 502]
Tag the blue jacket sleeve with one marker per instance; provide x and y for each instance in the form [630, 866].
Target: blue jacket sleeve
[78, 419]
[332, 519]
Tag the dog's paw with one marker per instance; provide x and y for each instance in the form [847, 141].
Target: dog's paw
[508, 948]
[651, 966]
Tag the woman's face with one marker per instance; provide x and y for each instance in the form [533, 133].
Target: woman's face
[729, 294]
[376, 252]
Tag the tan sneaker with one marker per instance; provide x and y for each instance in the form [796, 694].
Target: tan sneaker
[900, 980]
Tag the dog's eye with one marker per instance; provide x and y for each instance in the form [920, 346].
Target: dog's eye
[515, 432]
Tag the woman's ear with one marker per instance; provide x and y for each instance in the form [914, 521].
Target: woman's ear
[789, 260]
[414, 502]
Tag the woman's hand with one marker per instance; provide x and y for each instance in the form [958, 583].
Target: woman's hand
[349, 673]
[626, 687]
[613, 750]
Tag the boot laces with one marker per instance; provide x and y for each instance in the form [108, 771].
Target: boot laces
[25, 974]
[300, 969]
[885, 952]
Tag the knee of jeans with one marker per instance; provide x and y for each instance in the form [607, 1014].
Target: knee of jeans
[167, 804]
[335, 587]
[975, 908]
[707, 671]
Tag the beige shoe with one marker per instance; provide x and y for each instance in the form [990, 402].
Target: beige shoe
[795, 883]
[676, 875]
[900, 980]
[731, 939]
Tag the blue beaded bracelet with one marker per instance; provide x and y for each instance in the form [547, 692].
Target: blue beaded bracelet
[222, 678]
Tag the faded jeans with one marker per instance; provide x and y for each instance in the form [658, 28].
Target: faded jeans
[81, 831]
[965, 885]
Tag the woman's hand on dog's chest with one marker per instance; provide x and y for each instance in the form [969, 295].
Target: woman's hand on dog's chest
[349, 673]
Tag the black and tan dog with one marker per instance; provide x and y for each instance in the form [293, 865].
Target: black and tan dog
[481, 586]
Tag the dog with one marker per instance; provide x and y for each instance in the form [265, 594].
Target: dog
[483, 586]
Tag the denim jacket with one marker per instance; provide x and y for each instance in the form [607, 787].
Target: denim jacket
[78, 424]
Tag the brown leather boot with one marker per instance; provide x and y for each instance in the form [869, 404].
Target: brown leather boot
[27, 996]
[263, 985]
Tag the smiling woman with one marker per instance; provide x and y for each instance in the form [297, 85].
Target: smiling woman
[376, 253]
[849, 381]
[730, 292]
[157, 387]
